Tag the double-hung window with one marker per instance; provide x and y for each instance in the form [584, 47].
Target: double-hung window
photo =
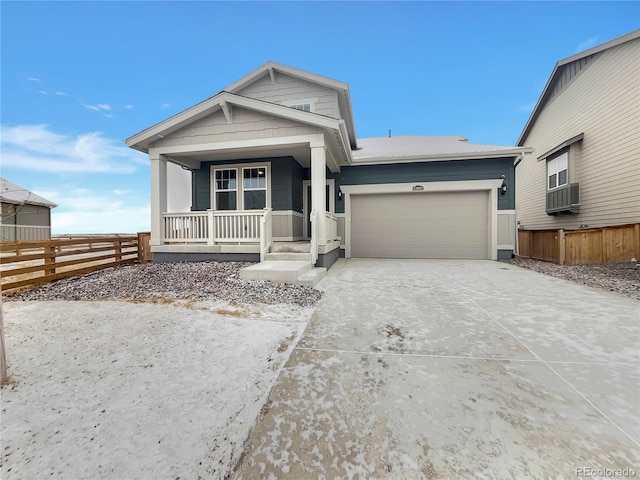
[240, 188]
[254, 188]
[558, 171]
[226, 189]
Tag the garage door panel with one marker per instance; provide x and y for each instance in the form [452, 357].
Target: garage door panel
[420, 225]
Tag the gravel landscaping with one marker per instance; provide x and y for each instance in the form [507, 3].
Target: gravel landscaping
[620, 278]
[189, 281]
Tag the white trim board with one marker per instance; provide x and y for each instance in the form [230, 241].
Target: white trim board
[490, 185]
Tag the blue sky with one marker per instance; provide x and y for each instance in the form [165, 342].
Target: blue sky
[79, 77]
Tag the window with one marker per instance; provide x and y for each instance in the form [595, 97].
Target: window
[226, 189]
[240, 187]
[557, 171]
[254, 188]
[305, 107]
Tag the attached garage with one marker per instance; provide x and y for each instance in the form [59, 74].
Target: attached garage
[421, 225]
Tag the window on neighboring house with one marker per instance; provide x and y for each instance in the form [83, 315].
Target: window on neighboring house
[558, 171]
[254, 188]
[226, 189]
[305, 107]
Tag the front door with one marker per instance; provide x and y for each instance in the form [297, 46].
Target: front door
[330, 202]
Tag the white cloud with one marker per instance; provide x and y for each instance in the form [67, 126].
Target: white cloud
[43, 92]
[120, 192]
[90, 214]
[33, 79]
[165, 105]
[62, 94]
[587, 44]
[97, 108]
[128, 107]
[36, 148]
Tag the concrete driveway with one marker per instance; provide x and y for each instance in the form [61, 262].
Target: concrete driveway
[455, 369]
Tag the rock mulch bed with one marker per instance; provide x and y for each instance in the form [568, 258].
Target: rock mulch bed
[191, 281]
[621, 278]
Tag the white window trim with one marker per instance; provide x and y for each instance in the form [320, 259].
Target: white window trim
[554, 161]
[239, 180]
[302, 101]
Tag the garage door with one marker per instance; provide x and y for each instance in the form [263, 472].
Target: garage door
[420, 225]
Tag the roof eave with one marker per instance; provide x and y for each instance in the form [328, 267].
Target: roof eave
[515, 152]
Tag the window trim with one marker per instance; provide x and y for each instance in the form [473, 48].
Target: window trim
[302, 101]
[239, 167]
[556, 158]
[215, 187]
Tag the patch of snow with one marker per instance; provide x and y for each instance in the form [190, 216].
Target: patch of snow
[113, 390]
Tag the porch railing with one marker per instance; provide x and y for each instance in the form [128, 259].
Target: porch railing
[211, 227]
[191, 227]
[266, 233]
[241, 226]
[331, 227]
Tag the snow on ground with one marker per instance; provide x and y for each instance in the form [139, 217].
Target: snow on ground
[138, 390]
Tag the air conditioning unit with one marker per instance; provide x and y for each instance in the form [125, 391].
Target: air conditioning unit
[563, 200]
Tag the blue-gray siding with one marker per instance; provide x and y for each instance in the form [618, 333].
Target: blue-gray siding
[287, 177]
[430, 172]
[286, 183]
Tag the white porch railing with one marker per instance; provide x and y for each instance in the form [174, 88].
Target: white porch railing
[313, 217]
[211, 227]
[266, 233]
[237, 226]
[331, 226]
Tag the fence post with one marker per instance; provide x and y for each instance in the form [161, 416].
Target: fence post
[118, 249]
[50, 260]
[636, 230]
[561, 247]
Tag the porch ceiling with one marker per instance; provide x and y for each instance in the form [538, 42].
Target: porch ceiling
[301, 153]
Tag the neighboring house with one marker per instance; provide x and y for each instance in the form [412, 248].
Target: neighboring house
[277, 167]
[585, 132]
[25, 215]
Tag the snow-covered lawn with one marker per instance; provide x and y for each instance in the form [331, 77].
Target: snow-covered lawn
[124, 390]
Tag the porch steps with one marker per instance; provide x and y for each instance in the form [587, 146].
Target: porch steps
[288, 256]
[291, 247]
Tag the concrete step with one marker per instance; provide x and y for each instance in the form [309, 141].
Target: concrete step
[279, 271]
[312, 277]
[291, 247]
[302, 257]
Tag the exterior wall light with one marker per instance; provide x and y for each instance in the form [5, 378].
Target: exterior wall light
[503, 187]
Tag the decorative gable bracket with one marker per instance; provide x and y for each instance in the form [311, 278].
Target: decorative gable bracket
[227, 110]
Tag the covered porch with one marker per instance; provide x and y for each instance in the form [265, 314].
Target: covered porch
[239, 213]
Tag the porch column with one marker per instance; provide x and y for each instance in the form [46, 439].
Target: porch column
[318, 190]
[158, 197]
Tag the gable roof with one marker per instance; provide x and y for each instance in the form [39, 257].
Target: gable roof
[557, 70]
[12, 193]
[407, 148]
[222, 101]
[272, 68]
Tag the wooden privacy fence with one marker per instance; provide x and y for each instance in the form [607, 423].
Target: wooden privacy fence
[26, 263]
[619, 243]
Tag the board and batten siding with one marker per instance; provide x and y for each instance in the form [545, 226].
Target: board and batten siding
[246, 125]
[287, 89]
[603, 102]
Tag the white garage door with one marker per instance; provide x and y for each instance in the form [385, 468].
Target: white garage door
[420, 225]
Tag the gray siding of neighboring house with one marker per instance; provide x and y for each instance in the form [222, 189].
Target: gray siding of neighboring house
[428, 172]
[288, 89]
[25, 216]
[601, 99]
[286, 183]
[245, 125]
